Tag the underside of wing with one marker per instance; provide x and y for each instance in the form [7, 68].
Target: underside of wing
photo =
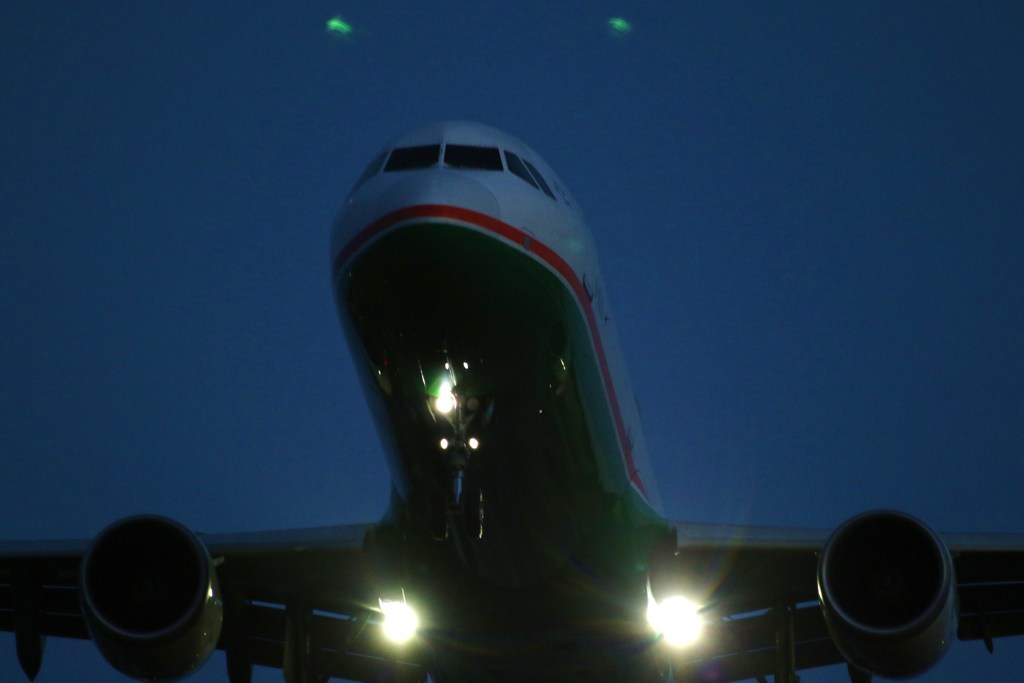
[757, 592]
[882, 593]
[990, 579]
[157, 599]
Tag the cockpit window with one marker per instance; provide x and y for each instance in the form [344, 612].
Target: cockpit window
[539, 178]
[470, 156]
[515, 165]
[408, 158]
[370, 171]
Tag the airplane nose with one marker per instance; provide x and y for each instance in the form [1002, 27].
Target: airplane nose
[446, 187]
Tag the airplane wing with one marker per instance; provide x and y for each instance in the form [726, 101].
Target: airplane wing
[298, 600]
[303, 600]
[763, 610]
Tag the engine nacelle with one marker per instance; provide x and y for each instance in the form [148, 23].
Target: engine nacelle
[888, 593]
[150, 598]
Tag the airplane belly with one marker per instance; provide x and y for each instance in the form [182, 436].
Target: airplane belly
[477, 363]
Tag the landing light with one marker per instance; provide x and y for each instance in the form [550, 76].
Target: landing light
[675, 618]
[400, 620]
[473, 443]
[445, 401]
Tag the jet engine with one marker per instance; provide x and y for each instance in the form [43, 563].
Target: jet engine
[150, 598]
[888, 593]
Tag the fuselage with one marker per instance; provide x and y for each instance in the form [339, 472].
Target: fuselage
[455, 275]
[468, 286]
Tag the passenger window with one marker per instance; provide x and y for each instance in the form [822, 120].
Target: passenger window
[469, 156]
[370, 171]
[539, 178]
[515, 165]
[408, 158]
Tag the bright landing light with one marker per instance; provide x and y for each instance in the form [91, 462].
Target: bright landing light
[445, 401]
[400, 621]
[676, 619]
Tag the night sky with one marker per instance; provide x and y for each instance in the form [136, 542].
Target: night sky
[811, 221]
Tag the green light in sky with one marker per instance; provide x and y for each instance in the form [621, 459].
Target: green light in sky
[339, 26]
[619, 25]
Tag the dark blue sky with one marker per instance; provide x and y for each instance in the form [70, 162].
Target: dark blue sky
[811, 220]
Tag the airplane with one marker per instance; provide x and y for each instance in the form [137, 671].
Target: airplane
[525, 538]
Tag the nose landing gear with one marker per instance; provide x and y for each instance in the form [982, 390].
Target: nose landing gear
[465, 509]
[455, 414]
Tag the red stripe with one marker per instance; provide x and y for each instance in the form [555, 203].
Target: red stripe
[541, 251]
